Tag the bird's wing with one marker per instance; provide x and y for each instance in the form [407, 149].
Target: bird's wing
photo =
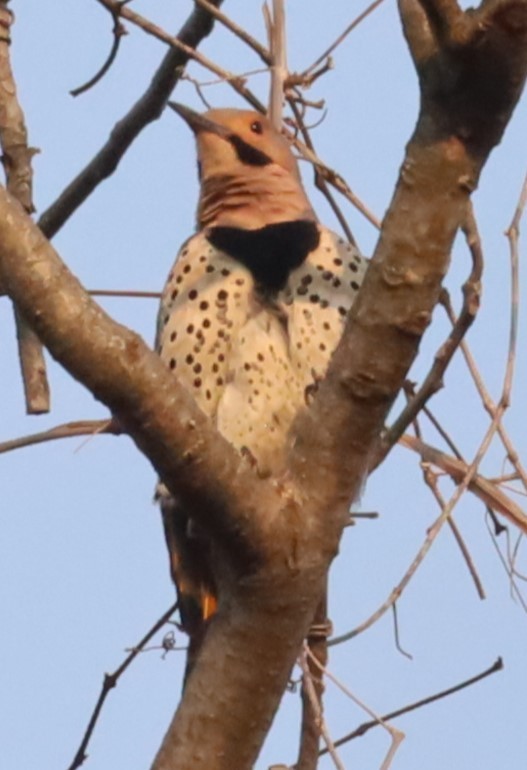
[229, 348]
[205, 303]
[316, 301]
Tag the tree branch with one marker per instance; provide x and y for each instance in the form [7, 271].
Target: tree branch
[366, 726]
[147, 109]
[442, 166]
[16, 160]
[487, 491]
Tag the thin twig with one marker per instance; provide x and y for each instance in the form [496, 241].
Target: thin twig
[32, 366]
[176, 42]
[320, 182]
[505, 562]
[343, 35]
[366, 726]
[110, 681]
[488, 403]
[486, 399]
[313, 688]
[513, 234]
[465, 482]
[307, 679]
[442, 432]
[304, 80]
[118, 33]
[396, 633]
[67, 430]
[237, 76]
[397, 736]
[244, 36]
[335, 180]
[276, 32]
[431, 481]
[490, 494]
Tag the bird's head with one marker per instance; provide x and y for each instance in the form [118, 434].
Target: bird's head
[229, 140]
[249, 175]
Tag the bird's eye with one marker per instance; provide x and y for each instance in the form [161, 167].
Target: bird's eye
[256, 127]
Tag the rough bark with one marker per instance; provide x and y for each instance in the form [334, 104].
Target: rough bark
[277, 537]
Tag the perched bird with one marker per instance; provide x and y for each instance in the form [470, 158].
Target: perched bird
[250, 315]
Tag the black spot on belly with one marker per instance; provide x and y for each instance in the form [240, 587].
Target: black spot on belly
[271, 252]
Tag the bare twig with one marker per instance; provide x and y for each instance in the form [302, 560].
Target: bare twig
[16, 159]
[320, 182]
[366, 726]
[67, 430]
[513, 234]
[397, 736]
[244, 36]
[313, 688]
[305, 80]
[176, 42]
[431, 481]
[490, 494]
[467, 479]
[343, 35]
[110, 681]
[487, 401]
[276, 32]
[118, 33]
[311, 693]
[396, 633]
[17, 155]
[336, 181]
[32, 366]
[505, 562]
[237, 77]
[442, 432]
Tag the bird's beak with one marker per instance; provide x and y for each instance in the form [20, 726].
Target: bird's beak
[198, 122]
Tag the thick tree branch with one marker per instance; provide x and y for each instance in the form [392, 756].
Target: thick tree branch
[442, 166]
[434, 379]
[266, 610]
[119, 369]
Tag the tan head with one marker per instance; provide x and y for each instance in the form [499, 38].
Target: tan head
[249, 175]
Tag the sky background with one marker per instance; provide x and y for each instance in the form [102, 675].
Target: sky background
[83, 567]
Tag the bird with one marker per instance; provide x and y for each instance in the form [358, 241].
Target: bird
[249, 317]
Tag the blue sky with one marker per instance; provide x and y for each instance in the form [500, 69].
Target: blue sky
[83, 567]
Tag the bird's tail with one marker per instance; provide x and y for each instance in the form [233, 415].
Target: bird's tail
[190, 567]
